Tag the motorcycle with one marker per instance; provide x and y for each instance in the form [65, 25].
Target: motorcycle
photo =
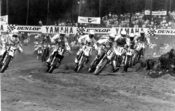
[39, 52]
[128, 59]
[45, 52]
[56, 59]
[83, 58]
[139, 52]
[107, 58]
[97, 60]
[8, 56]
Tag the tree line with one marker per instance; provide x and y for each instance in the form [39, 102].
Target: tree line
[70, 9]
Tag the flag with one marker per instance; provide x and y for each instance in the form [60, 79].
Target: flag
[10, 27]
[81, 30]
[151, 32]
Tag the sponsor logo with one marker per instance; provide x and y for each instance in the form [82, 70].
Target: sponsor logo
[28, 28]
[57, 29]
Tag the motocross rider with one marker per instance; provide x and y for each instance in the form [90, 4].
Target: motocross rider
[12, 40]
[46, 39]
[37, 43]
[132, 41]
[122, 41]
[58, 40]
[143, 39]
[87, 39]
[105, 43]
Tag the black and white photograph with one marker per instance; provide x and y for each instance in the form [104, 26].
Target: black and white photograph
[87, 55]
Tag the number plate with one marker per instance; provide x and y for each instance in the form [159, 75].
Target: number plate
[110, 54]
[140, 45]
[119, 50]
[87, 49]
[60, 51]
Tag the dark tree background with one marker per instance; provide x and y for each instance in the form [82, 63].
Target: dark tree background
[69, 9]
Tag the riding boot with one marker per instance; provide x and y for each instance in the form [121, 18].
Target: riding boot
[114, 66]
[76, 59]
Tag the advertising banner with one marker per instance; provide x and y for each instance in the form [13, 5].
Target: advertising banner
[23, 28]
[165, 31]
[58, 29]
[89, 20]
[118, 30]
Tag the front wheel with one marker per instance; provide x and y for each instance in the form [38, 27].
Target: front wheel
[100, 67]
[80, 64]
[51, 69]
[6, 64]
[54, 64]
[126, 64]
[93, 66]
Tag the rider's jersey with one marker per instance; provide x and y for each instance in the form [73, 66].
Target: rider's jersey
[122, 41]
[38, 38]
[46, 40]
[143, 39]
[63, 42]
[105, 41]
[132, 43]
[12, 41]
[86, 40]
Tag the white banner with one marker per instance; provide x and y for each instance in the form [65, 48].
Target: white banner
[73, 30]
[98, 30]
[130, 30]
[118, 30]
[57, 29]
[159, 12]
[89, 20]
[165, 31]
[22, 28]
[4, 19]
[148, 12]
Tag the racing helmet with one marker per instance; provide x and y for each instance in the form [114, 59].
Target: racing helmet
[142, 33]
[123, 33]
[62, 33]
[112, 35]
[132, 35]
[15, 33]
[91, 33]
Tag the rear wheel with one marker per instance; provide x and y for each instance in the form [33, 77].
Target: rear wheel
[100, 67]
[6, 63]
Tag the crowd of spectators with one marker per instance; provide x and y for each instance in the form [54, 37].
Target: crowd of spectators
[139, 20]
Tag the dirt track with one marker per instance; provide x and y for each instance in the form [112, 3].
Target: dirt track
[26, 87]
